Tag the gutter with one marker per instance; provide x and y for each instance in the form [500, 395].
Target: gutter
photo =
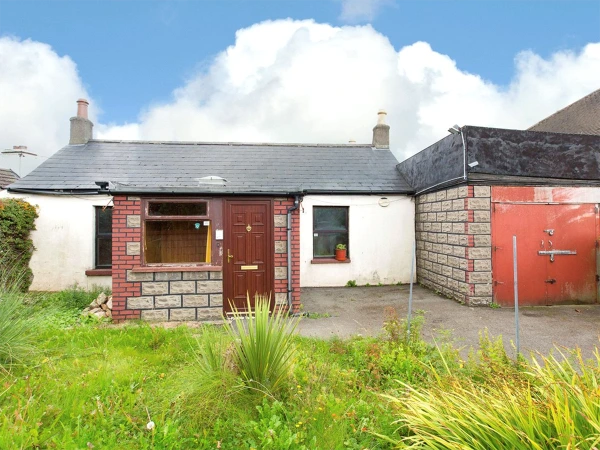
[46, 192]
[290, 289]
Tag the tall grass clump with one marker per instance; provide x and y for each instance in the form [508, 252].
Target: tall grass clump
[553, 404]
[16, 323]
[262, 344]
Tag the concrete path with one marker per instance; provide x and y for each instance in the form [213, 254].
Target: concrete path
[361, 310]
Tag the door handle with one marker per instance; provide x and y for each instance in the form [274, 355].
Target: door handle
[551, 281]
[229, 255]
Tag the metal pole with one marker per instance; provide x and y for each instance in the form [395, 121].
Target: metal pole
[516, 287]
[410, 295]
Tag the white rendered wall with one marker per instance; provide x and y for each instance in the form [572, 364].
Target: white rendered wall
[380, 241]
[64, 240]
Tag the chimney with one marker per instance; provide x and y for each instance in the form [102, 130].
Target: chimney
[381, 131]
[81, 126]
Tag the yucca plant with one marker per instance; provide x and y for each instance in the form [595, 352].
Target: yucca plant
[263, 344]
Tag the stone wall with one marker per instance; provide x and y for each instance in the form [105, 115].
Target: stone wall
[454, 253]
[178, 295]
[185, 294]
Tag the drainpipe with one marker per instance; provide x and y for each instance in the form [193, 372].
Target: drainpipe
[289, 250]
[459, 130]
[462, 135]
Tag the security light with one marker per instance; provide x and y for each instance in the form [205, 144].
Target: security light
[455, 129]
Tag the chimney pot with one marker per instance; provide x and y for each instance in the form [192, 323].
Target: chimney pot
[381, 131]
[81, 126]
[82, 108]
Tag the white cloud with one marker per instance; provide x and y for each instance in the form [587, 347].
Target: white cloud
[361, 10]
[300, 81]
[38, 90]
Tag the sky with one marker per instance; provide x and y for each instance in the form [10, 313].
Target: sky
[288, 71]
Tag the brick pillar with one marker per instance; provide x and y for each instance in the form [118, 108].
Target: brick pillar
[280, 231]
[125, 255]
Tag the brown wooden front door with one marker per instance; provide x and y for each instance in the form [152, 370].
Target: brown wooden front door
[248, 258]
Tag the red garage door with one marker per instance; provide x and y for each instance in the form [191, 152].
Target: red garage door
[556, 248]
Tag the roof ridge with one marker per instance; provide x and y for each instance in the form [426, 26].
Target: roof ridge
[229, 144]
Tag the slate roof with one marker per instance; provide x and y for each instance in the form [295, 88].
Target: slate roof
[581, 117]
[7, 176]
[176, 167]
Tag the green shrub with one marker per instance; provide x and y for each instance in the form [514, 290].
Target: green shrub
[263, 344]
[17, 220]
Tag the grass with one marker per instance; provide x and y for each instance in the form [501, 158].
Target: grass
[91, 384]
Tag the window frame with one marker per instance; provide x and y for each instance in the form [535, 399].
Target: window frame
[104, 235]
[314, 230]
[146, 217]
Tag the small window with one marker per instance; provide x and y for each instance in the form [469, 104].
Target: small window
[177, 209]
[177, 232]
[103, 237]
[330, 228]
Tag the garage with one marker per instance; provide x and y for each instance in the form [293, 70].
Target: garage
[556, 241]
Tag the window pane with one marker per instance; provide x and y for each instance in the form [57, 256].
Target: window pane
[104, 252]
[330, 218]
[104, 220]
[324, 243]
[185, 241]
[177, 209]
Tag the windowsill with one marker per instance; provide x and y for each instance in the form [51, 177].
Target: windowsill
[177, 269]
[98, 272]
[329, 261]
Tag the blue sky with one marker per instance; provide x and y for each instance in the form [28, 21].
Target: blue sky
[144, 63]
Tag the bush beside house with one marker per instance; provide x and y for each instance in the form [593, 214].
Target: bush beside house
[17, 221]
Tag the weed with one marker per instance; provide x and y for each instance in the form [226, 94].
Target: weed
[318, 315]
[351, 283]
[494, 305]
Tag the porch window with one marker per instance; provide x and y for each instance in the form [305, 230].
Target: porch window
[103, 253]
[330, 228]
[177, 232]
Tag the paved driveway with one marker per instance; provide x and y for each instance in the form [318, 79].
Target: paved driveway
[361, 310]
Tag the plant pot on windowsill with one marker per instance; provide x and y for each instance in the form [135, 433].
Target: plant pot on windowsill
[340, 252]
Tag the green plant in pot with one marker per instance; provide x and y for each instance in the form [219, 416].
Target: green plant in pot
[340, 252]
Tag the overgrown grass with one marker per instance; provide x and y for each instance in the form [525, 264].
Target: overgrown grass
[551, 403]
[93, 384]
[17, 324]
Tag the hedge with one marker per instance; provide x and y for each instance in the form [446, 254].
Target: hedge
[17, 220]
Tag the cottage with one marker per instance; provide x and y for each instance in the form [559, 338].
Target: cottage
[184, 230]
[478, 187]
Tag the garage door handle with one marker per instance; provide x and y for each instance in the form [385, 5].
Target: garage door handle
[551, 281]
